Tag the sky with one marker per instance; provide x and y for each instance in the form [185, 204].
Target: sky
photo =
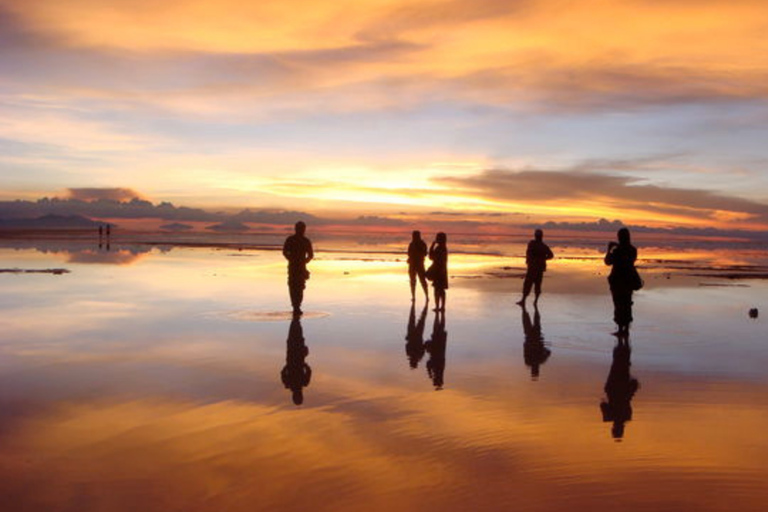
[651, 112]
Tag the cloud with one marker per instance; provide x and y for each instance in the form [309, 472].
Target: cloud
[96, 194]
[566, 189]
[534, 54]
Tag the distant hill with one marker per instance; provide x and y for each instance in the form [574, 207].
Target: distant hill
[229, 225]
[176, 226]
[52, 221]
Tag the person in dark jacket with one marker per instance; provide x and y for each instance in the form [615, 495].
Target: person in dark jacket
[536, 257]
[623, 280]
[297, 249]
[417, 251]
[438, 253]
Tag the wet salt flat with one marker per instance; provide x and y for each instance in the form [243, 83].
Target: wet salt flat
[152, 378]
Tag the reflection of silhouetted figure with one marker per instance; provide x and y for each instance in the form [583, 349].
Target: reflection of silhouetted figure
[436, 347]
[438, 271]
[623, 279]
[620, 387]
[414, 348]
[536, 257]
[297, 249]
[417, 251]
[296, 374]
[534, 351]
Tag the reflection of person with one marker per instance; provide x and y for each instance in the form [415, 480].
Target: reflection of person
[438, 253]
[414, 348]
[623, 279]
[297, 249]
[296, 373]
[436, 347]
[536, 257]
[620, 387]
[534, 351]
[417, 251]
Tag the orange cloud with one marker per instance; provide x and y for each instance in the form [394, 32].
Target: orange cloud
[592, 53]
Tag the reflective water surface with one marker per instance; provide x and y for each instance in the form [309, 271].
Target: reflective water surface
[175, 378]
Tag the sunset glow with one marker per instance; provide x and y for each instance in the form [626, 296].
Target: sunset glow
[651, 113]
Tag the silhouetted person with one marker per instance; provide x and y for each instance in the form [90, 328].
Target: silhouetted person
[620, 387]
[297, 249]
[438, 271]
[534, 352]
[624, 279]
[296, 373]
[536, 257]
[101, 231]
[414, 348]
[436, 348]
[109, 231]
[417, 251]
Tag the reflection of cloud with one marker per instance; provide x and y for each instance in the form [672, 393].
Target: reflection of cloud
[117, 257]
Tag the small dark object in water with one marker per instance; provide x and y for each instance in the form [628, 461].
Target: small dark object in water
[753, 313]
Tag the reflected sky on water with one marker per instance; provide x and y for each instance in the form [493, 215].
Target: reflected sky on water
[165, 380]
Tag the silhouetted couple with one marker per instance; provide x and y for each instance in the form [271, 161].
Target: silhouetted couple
[624, 278]
[297, 249]
[437, 271]
[536, 256]
[415, 347]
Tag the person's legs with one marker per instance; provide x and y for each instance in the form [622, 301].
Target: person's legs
[527, 284]
[439, 299]
[296, 290]
[412, 277]
[537, 286]
[423, 280]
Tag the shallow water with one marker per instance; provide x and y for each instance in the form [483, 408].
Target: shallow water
[148, 379]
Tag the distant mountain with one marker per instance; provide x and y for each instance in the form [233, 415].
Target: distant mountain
[229, 225]
[176, 226]
[52, 222]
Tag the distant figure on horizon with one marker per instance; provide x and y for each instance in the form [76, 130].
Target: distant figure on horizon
[296, 373]
[534, 352]
[417, 251]
[436, 347]
[414, 346]
[297, 249]
[438, 271]
[624, 279]
[536, 257]
[109, 230]
[620, 388]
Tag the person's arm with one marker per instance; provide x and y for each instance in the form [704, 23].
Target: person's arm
[609, 253]
[550, 254]
[287, 249]
[432, 251]
[310, 252]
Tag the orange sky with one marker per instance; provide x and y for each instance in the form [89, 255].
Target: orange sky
[653, 113]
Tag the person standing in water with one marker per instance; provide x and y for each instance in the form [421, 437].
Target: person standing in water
[417, 251]
[536, 257]
[624, 279]
[438, 271]
[297, 249]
